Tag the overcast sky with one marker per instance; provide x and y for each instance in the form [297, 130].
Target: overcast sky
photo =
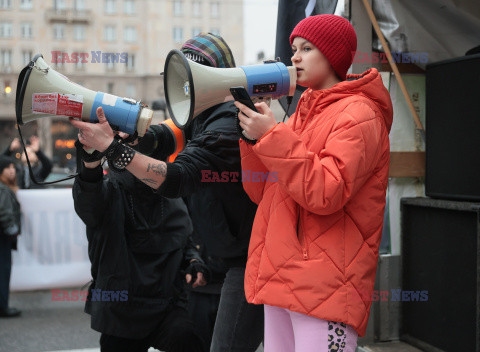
[260, 24]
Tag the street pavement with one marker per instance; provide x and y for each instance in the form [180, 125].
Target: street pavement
[47, 326]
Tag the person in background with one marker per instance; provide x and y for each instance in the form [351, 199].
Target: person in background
[138, 243]
[221, 212]
[10, 228]
[41, 164]
[317, 230]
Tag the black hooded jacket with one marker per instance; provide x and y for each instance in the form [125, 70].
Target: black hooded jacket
[136, 243]
[221, 212]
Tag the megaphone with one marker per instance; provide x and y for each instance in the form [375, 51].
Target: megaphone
[191, 88]
[43, 92]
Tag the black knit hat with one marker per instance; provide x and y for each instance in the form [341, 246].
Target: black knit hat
[5, 161]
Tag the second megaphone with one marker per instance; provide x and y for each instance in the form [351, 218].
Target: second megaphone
[191, 88]
[43, 92]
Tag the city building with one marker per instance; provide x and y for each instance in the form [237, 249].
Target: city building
[114, 46]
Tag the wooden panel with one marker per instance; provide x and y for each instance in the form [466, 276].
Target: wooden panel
[407, 164]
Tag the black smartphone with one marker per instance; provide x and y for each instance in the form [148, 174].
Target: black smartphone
[240, 94]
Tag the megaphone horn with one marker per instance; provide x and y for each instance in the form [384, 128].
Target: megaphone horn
[191, 88]
[43, 92]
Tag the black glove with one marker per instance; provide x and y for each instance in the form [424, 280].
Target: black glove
[152, 139]
[196, 267]
[87, 157]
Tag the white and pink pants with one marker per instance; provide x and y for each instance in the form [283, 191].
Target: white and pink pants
[287, 331]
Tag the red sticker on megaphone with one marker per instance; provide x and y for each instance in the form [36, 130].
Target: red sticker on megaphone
[57, 104]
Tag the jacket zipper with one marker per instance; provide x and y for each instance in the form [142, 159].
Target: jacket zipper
[301, 238]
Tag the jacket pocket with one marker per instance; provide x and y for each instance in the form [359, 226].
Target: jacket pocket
[302, 238]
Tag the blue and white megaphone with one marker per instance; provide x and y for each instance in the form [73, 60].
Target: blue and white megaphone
[191, 88]
[43, 92]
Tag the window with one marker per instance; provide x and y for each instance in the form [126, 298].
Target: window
[195, 31]
[130, 63]
[110, 65]
[79, 32]
[130, 90]
[215, 9]
[109, 34]
[215, 31]
[177, 7]
[26, 4]
[197, 9]
[110, 6]
[79, 5]
[178, 35]
[110, 87]
[27, 55]
[5, 4]
[59, 5]
[26, 30]
[5, 29]
[79, 65]
[130, 34]
[59, 64]
[58, 31]
[129, 7]
[5, 57]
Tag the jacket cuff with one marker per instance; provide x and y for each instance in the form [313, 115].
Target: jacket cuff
[266, 136]
[171, 186]
[91, 175]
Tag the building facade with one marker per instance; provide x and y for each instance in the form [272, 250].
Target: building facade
[114, 46]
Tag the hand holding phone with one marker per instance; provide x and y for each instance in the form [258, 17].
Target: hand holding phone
[240, 94]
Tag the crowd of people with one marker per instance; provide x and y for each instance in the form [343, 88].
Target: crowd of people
[225, 266]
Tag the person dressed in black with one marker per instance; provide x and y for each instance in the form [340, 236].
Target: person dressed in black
[41, 164]
[137, 244]
[10, 228]
[208, 173]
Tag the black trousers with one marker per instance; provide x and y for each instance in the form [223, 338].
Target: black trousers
[175, 333]
[203, 309]
[5, 269]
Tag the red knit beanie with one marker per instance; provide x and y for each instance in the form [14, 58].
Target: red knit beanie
[333, 35]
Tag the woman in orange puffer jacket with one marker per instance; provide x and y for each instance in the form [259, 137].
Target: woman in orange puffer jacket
[314, 246]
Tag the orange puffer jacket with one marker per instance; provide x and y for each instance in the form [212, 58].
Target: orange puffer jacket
[316, 233]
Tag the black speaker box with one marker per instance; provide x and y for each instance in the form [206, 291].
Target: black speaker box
[453, 129]
[441, 255]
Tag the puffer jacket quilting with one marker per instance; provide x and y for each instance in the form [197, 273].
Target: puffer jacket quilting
[331, 160]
